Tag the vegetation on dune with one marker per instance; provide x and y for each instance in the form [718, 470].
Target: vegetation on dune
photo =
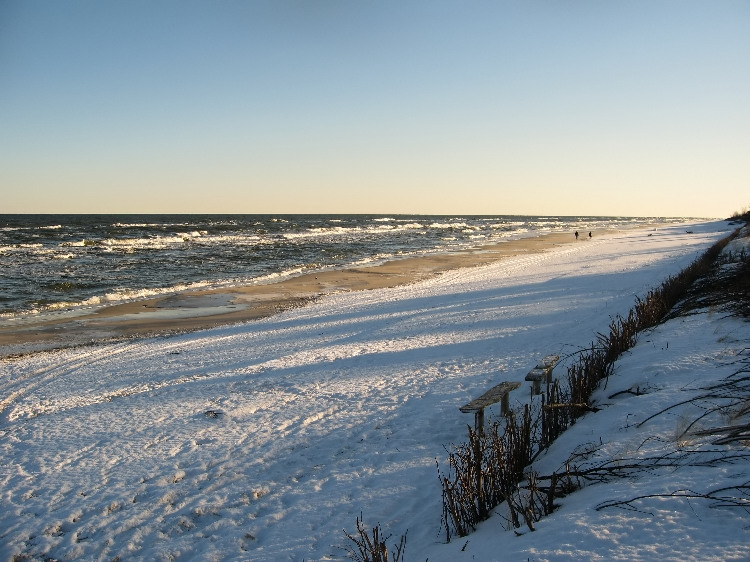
[494, 465]
[716, 279]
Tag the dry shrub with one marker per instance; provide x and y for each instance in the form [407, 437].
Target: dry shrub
[371, 547]
[484, 471]
[585, 375]
[554, 420]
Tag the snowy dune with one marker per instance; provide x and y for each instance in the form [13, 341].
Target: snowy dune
[264, 441]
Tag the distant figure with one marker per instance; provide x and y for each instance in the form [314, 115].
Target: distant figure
[576, 235]
[589, 234]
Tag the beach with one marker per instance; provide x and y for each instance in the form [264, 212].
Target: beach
[201, 309]
[267, 439]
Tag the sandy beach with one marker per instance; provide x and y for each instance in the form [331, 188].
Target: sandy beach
[203, 309]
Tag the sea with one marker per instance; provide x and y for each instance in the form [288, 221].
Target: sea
[53, 263]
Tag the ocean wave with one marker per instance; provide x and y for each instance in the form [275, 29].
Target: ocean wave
[167, 254]
[120, 296]
[448, 225]
[350, 231]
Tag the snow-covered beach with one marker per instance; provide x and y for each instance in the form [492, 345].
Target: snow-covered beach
[264, 441]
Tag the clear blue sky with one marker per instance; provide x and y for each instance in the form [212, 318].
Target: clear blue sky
[548, 107]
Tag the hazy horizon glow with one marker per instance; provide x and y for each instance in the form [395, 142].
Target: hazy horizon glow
[580, 108]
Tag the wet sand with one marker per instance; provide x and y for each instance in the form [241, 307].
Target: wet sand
[189, 311]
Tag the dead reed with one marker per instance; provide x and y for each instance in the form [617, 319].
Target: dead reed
[371, 546]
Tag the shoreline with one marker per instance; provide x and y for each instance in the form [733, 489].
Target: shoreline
[209, 308]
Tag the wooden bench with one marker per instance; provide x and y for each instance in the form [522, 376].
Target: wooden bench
[542, 371]
[499, 393]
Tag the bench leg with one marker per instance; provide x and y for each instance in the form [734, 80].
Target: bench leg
[505, 404]
[536, 387]
[479, 421]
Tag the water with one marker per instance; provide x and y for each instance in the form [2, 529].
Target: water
[64, 262]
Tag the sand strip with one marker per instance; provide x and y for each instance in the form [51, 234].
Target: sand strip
[197, 310]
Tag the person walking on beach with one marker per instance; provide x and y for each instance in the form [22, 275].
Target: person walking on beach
[589, 234]
[576, 235]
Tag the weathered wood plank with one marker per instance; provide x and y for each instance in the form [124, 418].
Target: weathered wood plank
[542, 371]
[493, 395]
[498, 393]
[548, 361]
[537, 374]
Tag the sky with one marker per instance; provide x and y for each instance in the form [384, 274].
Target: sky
[635, 108]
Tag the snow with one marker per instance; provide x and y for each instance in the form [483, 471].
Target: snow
[265, 441]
